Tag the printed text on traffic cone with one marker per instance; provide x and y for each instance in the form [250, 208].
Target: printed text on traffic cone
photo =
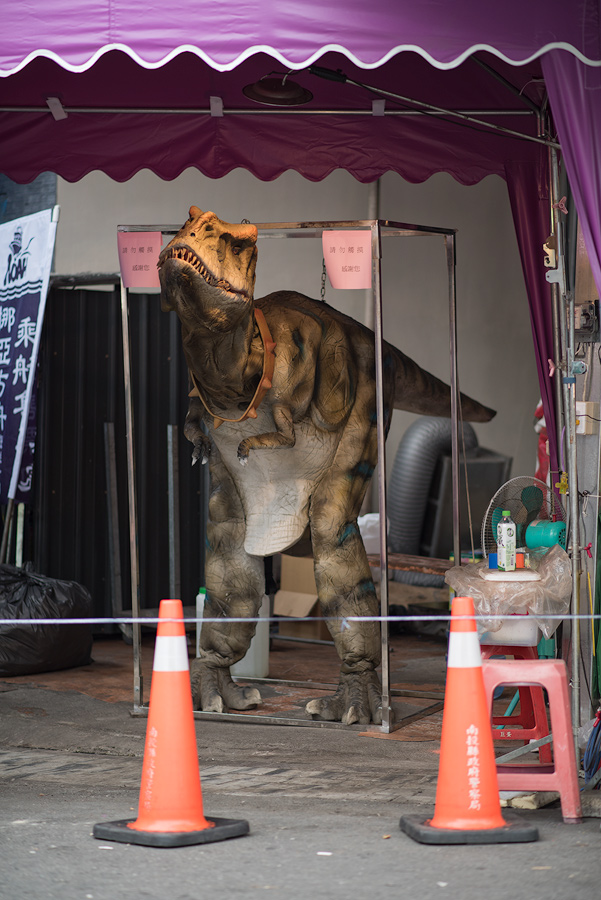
[467, 808]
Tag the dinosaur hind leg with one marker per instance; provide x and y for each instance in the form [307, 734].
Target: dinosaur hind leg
[235, 584]
[345, 586]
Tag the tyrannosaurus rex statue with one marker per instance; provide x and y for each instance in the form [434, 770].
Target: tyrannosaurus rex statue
[285, 388]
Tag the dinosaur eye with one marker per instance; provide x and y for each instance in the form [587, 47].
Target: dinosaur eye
[236, 249]
[192, 234]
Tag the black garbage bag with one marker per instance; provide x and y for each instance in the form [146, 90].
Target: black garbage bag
[28, 649]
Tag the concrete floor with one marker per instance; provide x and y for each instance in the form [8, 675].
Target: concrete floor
[323, 804]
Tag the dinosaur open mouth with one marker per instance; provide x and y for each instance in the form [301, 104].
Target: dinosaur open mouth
[188, 256]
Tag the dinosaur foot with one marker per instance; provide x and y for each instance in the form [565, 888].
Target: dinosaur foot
[358, 699]
[214, 691]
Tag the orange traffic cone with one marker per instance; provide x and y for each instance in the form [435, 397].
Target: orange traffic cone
[170, 811]
[468, 810]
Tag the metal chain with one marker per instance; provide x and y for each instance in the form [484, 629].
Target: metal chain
[323, 281]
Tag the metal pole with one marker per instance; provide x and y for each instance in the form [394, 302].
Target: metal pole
[373, 212]
[131, 493]
[381, 438]
[19, 538]
[370, 502]
[450, 251]
[574, 530]
[173, 511]
[112, 502]
[557, 277]
[6, 531]
[556, 313]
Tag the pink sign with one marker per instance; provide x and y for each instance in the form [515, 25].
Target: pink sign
[347, 255]
[138, 255]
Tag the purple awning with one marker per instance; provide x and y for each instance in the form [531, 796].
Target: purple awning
[122, 118]
[136, 83]
[296, 34]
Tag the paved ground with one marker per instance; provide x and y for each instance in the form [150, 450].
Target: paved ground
[323, 805]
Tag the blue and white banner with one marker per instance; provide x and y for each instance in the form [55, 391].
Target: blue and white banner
[26, 248]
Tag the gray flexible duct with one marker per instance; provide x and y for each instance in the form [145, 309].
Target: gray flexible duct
[423, 443]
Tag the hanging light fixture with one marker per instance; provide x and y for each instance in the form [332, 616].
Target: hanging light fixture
[277, 90]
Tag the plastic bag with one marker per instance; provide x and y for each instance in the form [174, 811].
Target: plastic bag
[369, 528]
[29, 649]
[584, 732]
[549, 596]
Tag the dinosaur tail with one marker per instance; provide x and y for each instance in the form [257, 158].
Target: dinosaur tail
[420, 392]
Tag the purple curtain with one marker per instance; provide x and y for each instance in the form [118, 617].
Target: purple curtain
[527, 183]
[575, 98]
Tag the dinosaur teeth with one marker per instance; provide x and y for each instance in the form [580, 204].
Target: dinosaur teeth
[189, 257]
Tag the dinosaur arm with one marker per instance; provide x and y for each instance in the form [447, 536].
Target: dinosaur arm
[193, 431]
[284, 436]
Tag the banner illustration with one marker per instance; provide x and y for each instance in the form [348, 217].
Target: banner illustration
[26, 248]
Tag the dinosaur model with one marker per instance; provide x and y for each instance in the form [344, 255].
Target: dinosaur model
[283, 405]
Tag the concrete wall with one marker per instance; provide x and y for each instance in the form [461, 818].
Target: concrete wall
[496, 362]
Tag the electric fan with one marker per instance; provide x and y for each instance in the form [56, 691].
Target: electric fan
[538, 515]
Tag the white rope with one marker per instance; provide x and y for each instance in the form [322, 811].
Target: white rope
[148, 620]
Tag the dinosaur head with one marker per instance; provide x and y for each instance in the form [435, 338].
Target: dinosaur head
[207, 272]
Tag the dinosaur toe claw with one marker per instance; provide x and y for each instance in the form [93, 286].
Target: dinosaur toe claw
[214, 691]
[357, 700]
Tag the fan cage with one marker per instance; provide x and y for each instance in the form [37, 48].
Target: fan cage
[528, 499]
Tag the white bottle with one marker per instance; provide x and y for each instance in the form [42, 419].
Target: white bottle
[201, 598]
[506, 543]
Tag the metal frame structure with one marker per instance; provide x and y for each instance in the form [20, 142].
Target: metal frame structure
[379, 228]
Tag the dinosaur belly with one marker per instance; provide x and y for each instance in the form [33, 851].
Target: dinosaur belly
[275, 486]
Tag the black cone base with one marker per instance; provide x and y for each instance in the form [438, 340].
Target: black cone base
[421, 830]
[222, 830]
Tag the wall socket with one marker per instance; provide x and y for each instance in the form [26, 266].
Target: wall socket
[587, 417]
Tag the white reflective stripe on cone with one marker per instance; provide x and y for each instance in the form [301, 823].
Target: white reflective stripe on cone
[464, 650]
[170, 654]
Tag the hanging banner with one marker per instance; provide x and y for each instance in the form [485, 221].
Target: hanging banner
[26, 248]
[347, 256]
[138, 255]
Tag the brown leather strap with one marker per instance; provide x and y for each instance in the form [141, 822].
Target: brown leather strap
[264, 383]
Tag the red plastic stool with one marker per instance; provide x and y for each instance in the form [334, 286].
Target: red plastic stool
[563, 776]
[531, 722]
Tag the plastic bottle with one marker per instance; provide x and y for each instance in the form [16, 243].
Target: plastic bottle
[255, 664]
[200, 607]
[506, 543]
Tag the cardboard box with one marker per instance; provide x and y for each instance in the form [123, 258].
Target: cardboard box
[297, 598]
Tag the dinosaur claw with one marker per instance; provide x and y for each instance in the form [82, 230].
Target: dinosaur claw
[357, 700]
[201, 453]
[214, 691]
[350, 717]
